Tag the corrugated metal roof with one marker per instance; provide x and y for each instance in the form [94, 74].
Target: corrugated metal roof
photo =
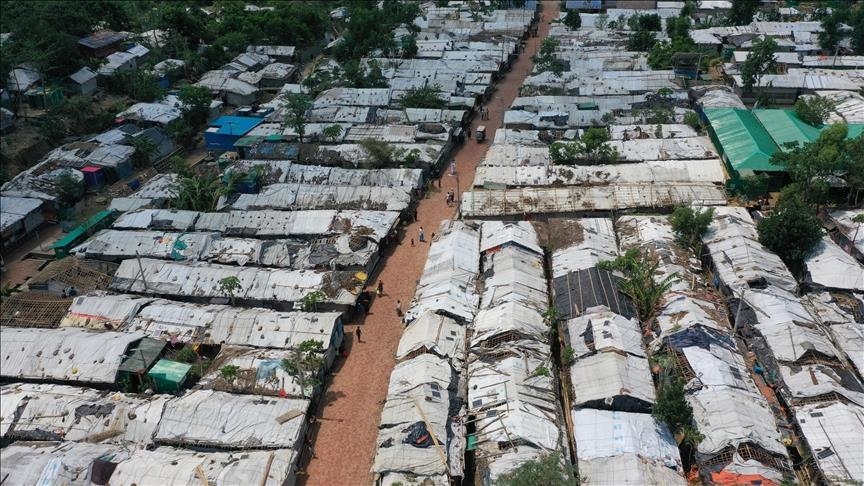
[589, 198]
[601, 330]
[742, 140]
[201, 280]
[309, 196]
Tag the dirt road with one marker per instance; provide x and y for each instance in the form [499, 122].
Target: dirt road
[347, 427]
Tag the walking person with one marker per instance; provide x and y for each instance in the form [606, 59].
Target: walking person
[412, 241]
[359, 334]
[308, 442]
[421, 235]
[380, 291]
[399, 308]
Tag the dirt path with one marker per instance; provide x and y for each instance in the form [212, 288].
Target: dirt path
[348, 422]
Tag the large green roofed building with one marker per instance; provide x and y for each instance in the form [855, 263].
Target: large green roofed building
[785, 128]
[743, 142]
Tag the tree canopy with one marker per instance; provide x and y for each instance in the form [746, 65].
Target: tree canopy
[689, 225]
[812, 165]
[742, 11]
[792, 229]
[760, 61]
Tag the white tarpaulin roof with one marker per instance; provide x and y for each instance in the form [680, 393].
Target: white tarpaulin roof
[830, 267]
[448, 283]
[597, 244]
[602, 434]
[167, 466]
[202, 280]
[498, 233]
[833, 432]
[57, 412]
[438, 334]
[218, 419]
[55, 463]
[608, 375]
[728, 417]
[64, 354]
[588, 198]
[788, 328]
[738, 256]
[100, 310]
[602, 330]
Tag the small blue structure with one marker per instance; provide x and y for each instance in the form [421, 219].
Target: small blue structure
[226, 130]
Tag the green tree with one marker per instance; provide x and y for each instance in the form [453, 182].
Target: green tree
[69, 189]
[678, 27]
[229, 372]
[645, 22]
[689, 225]
[641, 41]
[791, 230]
[144, 151]
[408, 46]
[547, 60]
[548, 470]
[296, 112]
[691, 119]
[753, 187]
[832, 33]
[814, 110]
[332, 132]
[601, 22]
[229, 286]
[196, 104]
[760, 61]
[742, 11]
[306, 363]
[811, 166]
[381, 153]
[425, 97]
[310, 301]
[573, 20]
[199, 193]
[590, 149]
[671, 407]
[639, 269]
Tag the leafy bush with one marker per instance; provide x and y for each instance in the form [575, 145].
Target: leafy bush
[691, 119]
[425, 97]
[573, 20]
[69, 189]
[689, 225]
[639, 269]
[548, 470]
[641, 41]
[791, 230]
[229, 372]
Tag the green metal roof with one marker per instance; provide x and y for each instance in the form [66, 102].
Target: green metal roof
[855, 130]
[742, 140]
[171, 371]
[785, 127]
[140, 356]
[97, 221]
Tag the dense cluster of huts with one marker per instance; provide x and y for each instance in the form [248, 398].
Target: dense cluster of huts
[183, 356]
